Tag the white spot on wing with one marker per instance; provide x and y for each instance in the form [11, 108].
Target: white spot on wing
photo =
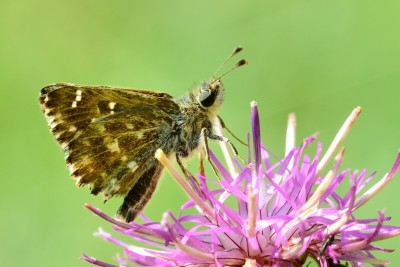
[49, 119]
[114, 146]
[139, 135]
[85, 142]
[71, 168]
[53, 124]
[101, 128]
[112, 187]
[72, 128]
[77, 98]
[77, 134]
[78, 181]
[132, 164]
[111, 105]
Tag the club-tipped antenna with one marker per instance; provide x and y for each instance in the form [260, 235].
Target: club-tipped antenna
[237, 65]
[234, 52]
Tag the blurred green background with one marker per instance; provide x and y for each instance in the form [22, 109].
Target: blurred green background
[319, 59]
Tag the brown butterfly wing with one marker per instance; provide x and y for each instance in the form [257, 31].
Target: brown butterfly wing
[109, 135]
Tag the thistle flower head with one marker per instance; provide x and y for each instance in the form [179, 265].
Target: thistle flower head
[286, 212]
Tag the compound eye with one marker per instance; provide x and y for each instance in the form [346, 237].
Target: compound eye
[206, 98]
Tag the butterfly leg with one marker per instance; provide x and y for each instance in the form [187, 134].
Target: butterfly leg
[222, 139]
[190, 177]
[223, 125]
[184, 170]
[207, 134]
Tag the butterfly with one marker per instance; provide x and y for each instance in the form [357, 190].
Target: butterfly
[109, 135]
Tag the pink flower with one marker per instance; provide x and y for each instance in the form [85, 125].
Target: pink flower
[286, 212]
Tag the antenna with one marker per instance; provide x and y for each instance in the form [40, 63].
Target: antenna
[238, 64]
[234, 52]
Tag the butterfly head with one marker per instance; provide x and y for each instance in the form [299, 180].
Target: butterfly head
[210, 94]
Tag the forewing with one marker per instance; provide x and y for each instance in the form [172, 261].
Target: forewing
[108, 134]
[67, 106]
